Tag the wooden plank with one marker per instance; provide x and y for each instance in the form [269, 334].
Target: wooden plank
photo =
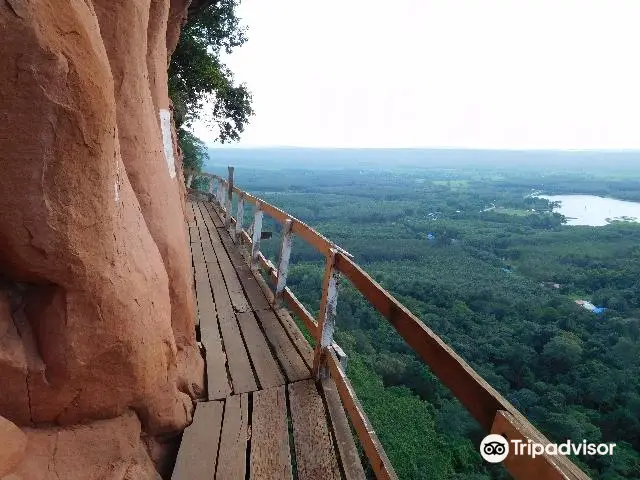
[196, 253]
[525, 466]
[194, 237]
[254, 293]
[199, 447]
[288, 356]
[252, 290]
[231, 280]
[349, 457]
[368, 439]
[315, 456]
[242, 377]
[264, 364]
[216, 360]
[215, 218]
[296, 336]
[270, 457]
[233, 439]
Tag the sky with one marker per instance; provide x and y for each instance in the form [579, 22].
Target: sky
[509, 74]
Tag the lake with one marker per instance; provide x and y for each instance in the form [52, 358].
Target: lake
[594, 211]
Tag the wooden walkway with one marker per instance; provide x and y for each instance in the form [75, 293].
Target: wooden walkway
[265, 417]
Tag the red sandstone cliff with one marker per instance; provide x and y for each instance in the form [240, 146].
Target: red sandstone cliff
[97, 338]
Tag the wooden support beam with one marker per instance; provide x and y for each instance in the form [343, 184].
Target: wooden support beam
[283, 261]
[239, 219]
[368, 439]
[229, 199]
[257, 234]
[326, 316]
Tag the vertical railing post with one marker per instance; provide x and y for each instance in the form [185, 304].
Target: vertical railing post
[327, 316]
[227, 218]
[211, 185]
[219, 192]
[237, 232]
[189, 180]
[257, 234]
[283, 260]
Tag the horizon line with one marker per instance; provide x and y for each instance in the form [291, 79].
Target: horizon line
[218, 146]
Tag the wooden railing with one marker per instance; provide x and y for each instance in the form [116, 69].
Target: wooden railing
[485, 404]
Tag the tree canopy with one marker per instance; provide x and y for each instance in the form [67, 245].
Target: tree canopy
[201, 86]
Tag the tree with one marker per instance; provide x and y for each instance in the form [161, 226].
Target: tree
[197, 75]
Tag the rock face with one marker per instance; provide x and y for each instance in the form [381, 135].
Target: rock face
[14, 444]
[96, 302]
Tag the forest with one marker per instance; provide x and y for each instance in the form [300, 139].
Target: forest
[493, 271]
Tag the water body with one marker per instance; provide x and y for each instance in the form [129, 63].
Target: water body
[594, 211]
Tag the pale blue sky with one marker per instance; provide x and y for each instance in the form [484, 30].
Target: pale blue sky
[447, 73]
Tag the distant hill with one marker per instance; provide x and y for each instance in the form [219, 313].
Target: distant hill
[331, 158]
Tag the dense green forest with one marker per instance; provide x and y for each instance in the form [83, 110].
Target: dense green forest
[462, 249]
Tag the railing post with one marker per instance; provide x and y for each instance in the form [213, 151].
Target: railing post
[219, 193]
[211, 185]
[327, 316]
[227, 218]
[237, 232]
[257, 234]
[189, 180]
[283, 261]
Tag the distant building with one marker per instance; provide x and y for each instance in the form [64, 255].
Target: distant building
[591, 307]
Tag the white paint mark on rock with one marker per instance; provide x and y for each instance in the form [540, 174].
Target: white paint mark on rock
[165, 125]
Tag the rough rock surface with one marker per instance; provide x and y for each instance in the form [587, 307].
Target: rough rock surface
[13, 444]
[139, 27]
[105, 449]
[96, 301]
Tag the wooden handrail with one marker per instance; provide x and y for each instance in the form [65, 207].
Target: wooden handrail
[485, 404]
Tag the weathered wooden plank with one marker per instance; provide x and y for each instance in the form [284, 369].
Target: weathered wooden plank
[270, 457]
[349, 457]
[368, 439]
[194, 236]
[288, 356]
[199, 447]
[296, 336]
[242, 377]
[217, 382]
[196, 253]
[231, 280]
[526, 467]
[252, 290]
[315, 456]
[233, 439]
[215, 218]
[265, 365]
